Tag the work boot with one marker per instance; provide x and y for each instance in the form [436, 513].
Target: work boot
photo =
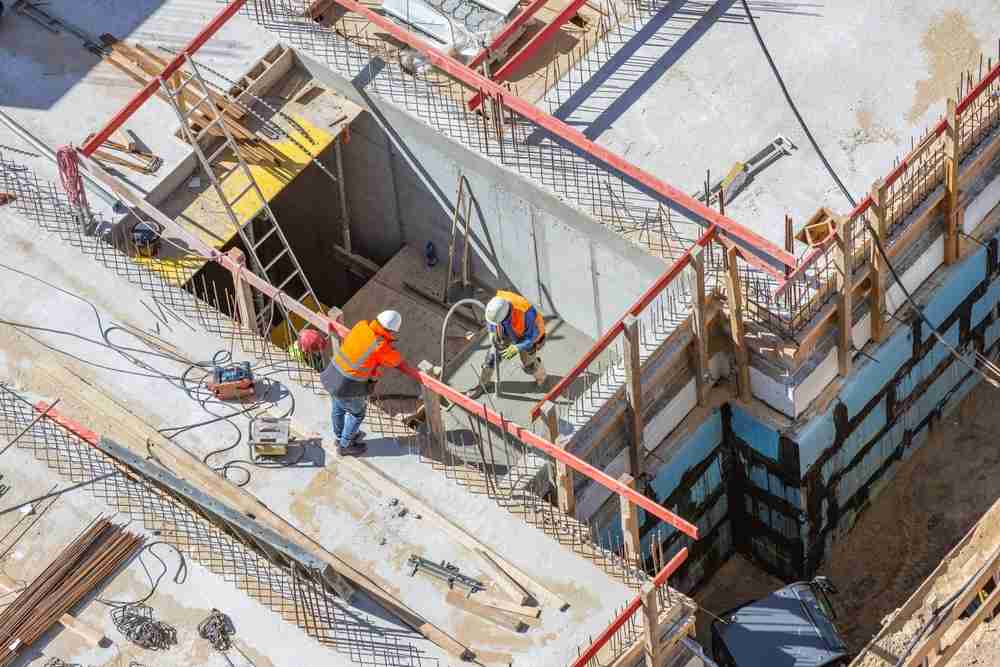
[354, 449]
[476, 391]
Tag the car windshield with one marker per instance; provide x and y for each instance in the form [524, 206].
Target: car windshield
[818, 608]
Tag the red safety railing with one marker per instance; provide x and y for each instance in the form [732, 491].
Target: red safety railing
[892, 177]
[616, 330]
[508, 31]
[627, 614]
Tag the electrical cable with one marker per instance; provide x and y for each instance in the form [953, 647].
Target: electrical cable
[995, 382]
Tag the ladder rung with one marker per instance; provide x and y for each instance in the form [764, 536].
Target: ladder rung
[217, 154]
[275, 260]
[240, 196]
[266, 236]
[203, 131]
[288, 280]
[185, 80]
[192, 109]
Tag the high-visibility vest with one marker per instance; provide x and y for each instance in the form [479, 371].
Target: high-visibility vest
[355, 357]
[519, 307]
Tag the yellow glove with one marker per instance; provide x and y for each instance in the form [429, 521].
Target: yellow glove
[509, 352]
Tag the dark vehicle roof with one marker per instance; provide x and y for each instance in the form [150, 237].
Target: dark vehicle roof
[786, 629]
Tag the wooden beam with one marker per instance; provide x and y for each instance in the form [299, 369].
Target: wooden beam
[633, 391]
[565, 493]
[844, 261]
[699, 327]
[505, 582]
[651, 625]
[879, 271]
[951, 161]
[245, 306]
[495, 616]
[508, 606]
[630, 525]
[741, 355]
[432, 409]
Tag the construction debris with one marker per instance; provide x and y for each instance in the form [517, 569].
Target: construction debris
[80, 568]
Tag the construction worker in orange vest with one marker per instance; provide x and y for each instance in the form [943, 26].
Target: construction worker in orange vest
[357, 364]
[516, 330]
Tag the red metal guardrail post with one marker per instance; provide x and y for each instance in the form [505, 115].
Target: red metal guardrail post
[659, 580]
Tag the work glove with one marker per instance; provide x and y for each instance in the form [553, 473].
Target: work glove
[509, 352]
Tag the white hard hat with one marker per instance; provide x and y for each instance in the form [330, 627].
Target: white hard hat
[497, 310]
[390, 320]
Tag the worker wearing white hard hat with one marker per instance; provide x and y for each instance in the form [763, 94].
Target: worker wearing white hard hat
[516, 330]
[357, 364]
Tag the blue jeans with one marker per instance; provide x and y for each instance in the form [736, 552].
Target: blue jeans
[348, 413]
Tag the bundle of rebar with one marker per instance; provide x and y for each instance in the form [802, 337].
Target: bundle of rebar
[80, 568]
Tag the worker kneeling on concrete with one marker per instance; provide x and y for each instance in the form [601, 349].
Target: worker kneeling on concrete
[357, 364]
[516, 330]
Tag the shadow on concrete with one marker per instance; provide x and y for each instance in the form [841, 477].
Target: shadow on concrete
[41, 64]
[633, 73]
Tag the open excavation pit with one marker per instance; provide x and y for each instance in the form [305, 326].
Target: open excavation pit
[738, 381]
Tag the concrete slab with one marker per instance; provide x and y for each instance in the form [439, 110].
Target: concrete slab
[691, 91]
[53, 285]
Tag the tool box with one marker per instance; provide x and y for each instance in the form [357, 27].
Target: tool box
[232, 382]
[269, 437]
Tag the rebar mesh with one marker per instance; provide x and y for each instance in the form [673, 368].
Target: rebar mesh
[293, 594]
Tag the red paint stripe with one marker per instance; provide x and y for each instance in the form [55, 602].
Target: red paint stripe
[627, 612]
[609, 336]
[529, 49]
[507, 32]
[150, 88]
[70, 425]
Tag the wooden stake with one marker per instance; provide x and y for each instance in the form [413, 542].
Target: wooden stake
[699, 327]
[951, 158]
[630, 525]
[565, 495]
[845, 271]
[633, 386]
[244, 293]
[432, 407]
[878, 275]
[651, 624]
[740, 354]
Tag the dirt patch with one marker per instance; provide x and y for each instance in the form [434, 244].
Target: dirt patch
[951, 50]
[737, 582]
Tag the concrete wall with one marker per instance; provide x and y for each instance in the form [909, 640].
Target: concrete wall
[402, 179]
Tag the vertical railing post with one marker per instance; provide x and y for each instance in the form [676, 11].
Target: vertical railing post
[651, 625]
[630, 525]
[565, 495]
[845, 288]
[633, 387]
[699, 327]
[344, 211]
[952, 146]
[741, 356]
[244, 293]
[432, 407]
[878, 275]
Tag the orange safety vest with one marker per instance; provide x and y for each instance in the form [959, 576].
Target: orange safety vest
[361, 353]
[519, 307]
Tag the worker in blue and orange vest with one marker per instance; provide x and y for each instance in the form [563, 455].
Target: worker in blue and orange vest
[516, 330]
[356, 366]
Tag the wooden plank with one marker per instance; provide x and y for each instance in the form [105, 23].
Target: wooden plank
[844, 260]
[505, 582]
[699, 326]
[633, 392]
[496, 616]
[565, 492]
[879, 272]
[506, 605]
[85, 631]
[537, 590]
[630, 525]
[952, 150]
[186, 466]
[740, 353]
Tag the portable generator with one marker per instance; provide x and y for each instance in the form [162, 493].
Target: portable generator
[269, 437]
[146, 239]
[232, 382]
